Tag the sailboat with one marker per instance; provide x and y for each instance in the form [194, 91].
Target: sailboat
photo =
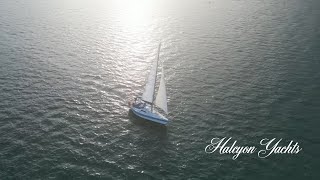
[146, 106]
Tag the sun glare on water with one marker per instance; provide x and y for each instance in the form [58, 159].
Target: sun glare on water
[135, 24]
[135, 13]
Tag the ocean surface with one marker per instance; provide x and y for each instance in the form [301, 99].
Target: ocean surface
[246, 69]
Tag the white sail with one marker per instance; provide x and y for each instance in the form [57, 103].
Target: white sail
[161, 99]
[151, 81]
[149, 88]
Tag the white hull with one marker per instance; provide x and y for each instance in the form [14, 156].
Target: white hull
[147, 115]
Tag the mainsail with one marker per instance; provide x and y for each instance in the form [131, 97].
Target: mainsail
[161, 99]
[151, 81]
[149, 89]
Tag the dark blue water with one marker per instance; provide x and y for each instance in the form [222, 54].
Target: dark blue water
[234, 68]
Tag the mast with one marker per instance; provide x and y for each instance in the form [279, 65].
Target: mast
[155, 79]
